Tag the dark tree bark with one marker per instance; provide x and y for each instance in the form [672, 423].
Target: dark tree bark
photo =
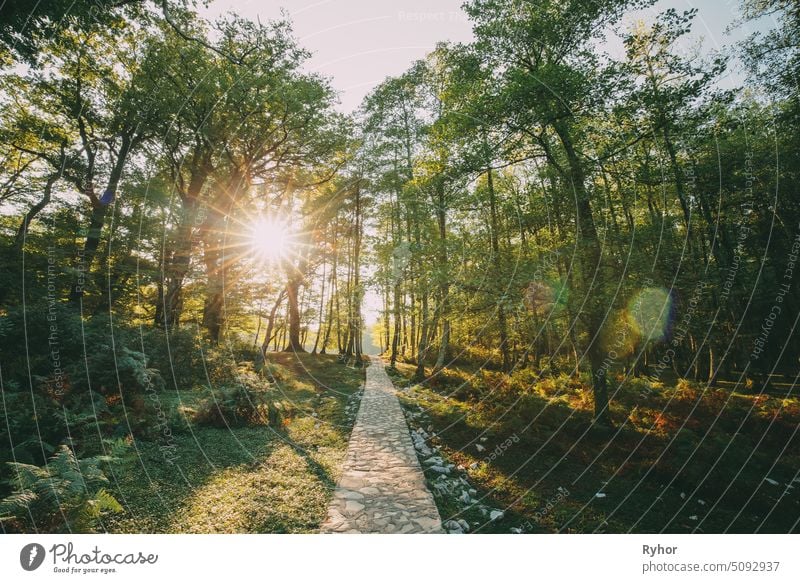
[443, 308]
[176, 268]
[592, 275]
[321, 310]
[98, 216]
[36, 209]
[292, 292]
[214, 234]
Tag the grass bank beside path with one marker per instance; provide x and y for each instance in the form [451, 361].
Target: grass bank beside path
[251, 479]
[681, 458]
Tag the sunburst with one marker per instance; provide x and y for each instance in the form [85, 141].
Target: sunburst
[270, 239]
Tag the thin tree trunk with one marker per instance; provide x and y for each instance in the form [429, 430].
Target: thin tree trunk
[292, 290]
[321, 309]
[36, 209]
[495, 243]
[592, 274]
[356, 321]
[443, 310]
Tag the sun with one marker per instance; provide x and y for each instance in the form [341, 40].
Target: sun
[270, 238]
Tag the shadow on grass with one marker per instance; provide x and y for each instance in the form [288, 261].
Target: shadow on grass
[681, 459]
[249, 479]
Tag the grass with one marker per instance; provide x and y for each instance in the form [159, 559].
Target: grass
[253, 479]
[681, 458]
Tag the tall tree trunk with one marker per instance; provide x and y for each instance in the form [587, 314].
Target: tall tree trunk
[397, 323]
[444, 278]
[592, 275]
[356, 326]
[98, 218]
[348, 346]
[292, 290]
[258, 325]
[214, 237]
[177, 268]
[213, 306]
[386, 319]
[334, 287]
[422, 351]
[502, 323]
[321, 309]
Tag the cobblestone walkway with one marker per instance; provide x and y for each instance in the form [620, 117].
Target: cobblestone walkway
[382, 488]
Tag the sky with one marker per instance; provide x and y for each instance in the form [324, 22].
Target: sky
[357, 43]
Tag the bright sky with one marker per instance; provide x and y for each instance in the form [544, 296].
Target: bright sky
[359, 42]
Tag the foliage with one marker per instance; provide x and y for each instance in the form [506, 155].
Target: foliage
[178, 355]
[235, 406]
[68, 494]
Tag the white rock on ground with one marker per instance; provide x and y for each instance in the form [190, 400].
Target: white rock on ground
[435, 461]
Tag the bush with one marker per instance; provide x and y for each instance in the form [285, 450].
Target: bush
[32, 421]
[124, 371]
[557, 386]
[178, 355]
[235, 407]
[445, 381]
[116, 395]
[241, 350]
[66, 495]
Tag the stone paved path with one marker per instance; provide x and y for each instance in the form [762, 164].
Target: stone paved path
[382, 488]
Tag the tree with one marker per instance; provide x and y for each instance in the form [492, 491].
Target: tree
[551, 77]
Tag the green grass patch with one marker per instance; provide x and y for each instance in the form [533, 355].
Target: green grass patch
[252, 479]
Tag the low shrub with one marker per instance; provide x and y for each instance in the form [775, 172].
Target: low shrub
[444, 379]
[178, 355]
[556, 386]
[111, 371]
[235, 407]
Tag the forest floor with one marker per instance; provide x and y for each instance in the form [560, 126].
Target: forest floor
[254, 479]
[520, 454]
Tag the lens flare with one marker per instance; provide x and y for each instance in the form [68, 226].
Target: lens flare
[543, 296]
[649, 313]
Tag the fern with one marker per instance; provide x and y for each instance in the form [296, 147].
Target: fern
[67, 494]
